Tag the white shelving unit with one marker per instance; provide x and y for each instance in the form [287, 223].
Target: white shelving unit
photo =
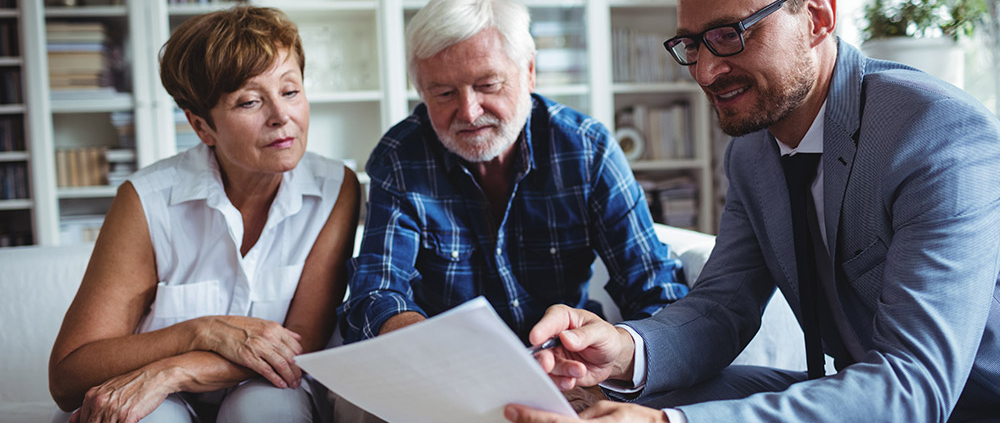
[16, 213]
[355, 81]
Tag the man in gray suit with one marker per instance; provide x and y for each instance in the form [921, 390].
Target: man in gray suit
[886, 244]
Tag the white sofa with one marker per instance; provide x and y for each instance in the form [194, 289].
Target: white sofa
[39, 283]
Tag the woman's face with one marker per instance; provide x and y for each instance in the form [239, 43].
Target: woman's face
[261, 127]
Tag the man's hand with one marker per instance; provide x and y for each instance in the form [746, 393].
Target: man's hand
[257, 344]
[592, 350]
[602, 412]
[125, 399]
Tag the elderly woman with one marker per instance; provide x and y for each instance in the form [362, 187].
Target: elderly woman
[217, 266]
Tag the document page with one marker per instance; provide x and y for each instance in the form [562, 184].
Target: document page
[461, 366]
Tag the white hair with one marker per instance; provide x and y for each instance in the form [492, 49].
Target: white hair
[444, 23]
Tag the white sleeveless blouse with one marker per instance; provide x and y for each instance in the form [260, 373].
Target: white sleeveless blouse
[197, 233]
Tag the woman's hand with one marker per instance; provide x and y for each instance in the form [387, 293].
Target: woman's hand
[125, 399]
[260, 345]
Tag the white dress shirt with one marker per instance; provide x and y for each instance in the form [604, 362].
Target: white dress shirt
[197, 233]
[812, 142]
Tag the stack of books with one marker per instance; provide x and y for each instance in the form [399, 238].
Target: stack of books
[10, 86]
[121, 165]
[79, 229]
[561, 57]
[82, 167]
[78, 60]
[639, 57]
[11, 133]
[14, 238]
[124, 123]
[13, 181]
[666, 130]
[673, 201]
[9, 41]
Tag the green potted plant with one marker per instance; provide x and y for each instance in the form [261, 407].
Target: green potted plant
[922, 33]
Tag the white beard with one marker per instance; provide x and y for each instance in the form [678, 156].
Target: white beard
[487, 146]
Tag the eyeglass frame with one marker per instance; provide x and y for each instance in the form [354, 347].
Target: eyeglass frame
[740, 28]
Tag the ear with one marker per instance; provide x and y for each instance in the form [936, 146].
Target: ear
[531, 74]
[201, 127]
[823, 19]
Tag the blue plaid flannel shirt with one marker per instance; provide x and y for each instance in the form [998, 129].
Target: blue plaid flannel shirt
[431, 243]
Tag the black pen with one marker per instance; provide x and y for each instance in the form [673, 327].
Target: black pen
[551, 343]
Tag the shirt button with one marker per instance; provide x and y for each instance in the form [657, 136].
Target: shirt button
[454, 254]
[552, 250]
[515, 303]
[499, 251]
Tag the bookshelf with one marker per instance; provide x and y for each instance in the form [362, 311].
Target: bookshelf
[16, 205]
[357, 88]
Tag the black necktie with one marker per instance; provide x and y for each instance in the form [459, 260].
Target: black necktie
[800, 170]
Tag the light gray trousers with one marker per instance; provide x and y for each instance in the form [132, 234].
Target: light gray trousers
[254, 401]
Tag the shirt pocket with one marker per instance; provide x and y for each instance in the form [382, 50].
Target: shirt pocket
[447, 263]
[864, 272]
[177, 303]
[557, 259]
[273, 292]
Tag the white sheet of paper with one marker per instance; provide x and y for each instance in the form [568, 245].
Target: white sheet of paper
[461, 366]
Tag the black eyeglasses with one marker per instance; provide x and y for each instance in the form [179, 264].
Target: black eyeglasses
[722, 41]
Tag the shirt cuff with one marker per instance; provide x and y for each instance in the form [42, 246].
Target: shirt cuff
[638, 368]
[675, 416]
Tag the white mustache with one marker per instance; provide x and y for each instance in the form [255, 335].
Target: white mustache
[484, 120]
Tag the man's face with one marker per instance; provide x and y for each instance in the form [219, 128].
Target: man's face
[763, 84]
[478, 99]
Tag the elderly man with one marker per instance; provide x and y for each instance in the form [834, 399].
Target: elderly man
[490, 190]
[866, 191]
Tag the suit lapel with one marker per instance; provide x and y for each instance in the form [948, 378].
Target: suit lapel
[772, 198]
[840, 131]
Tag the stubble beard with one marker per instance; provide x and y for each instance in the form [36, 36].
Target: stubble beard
[486, 147]
[773, 104]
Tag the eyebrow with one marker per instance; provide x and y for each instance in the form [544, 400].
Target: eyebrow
[681, 32]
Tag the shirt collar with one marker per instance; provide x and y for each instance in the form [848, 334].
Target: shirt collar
[812, 142]
[199, 178]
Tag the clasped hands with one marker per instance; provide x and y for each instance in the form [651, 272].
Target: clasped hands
[592, 351]
[262, 346]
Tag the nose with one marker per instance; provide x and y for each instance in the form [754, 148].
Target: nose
[279, 113]
[708, 68]
[470, 106]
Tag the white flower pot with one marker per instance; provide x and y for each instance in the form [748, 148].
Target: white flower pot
[941, 57]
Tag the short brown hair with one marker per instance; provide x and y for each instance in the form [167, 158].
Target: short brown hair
[216, 53]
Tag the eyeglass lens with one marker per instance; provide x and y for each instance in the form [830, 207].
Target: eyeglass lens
[723, 41]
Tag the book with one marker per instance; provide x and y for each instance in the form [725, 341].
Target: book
[11, 133]
[10, 82]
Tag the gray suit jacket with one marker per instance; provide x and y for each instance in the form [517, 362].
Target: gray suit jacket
[912, 213]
